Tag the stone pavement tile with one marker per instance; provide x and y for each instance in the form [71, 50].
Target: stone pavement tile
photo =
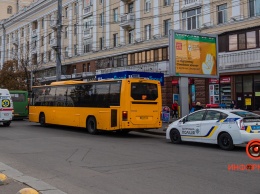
[12, 187]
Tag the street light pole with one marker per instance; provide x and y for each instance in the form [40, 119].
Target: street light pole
[58, 50]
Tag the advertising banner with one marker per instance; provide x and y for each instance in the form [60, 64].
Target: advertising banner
[194, 54]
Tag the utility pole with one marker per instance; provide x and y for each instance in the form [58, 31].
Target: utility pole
[58, 50]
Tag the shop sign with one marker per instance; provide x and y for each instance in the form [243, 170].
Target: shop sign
[225, 80]
[213, 80]
[176, 81]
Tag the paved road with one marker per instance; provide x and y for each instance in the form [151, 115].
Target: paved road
[74, 161]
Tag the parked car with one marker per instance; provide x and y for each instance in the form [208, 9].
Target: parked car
[225, 127]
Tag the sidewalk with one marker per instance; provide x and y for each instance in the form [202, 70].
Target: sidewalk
[15, 181]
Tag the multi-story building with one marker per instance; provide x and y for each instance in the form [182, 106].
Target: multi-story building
[11, 7]
[108, 36]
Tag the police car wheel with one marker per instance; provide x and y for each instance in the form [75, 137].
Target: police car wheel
[225, 141]
[175, 136]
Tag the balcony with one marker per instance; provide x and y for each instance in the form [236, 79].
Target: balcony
[128, 21]
[87, 33]
[53, 43]
[88, 11]
[53, 23]
[15, 41]
[188, 4]
[239, 60]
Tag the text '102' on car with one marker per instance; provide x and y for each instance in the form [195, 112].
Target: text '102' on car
[225, 127]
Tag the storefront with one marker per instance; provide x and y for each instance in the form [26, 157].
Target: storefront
[247, 89]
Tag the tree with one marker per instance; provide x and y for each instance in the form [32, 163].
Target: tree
[12, 76]
[18, 73]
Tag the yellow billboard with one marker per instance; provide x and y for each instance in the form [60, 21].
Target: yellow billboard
[195, 54]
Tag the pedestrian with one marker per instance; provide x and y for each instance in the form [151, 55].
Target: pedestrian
[175, 109]
[198, 106]
[232, 104]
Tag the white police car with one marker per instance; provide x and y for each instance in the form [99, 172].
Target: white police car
[225, 127]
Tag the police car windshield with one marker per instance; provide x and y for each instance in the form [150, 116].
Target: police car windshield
[245, 114]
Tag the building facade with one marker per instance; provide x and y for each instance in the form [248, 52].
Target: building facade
[104, 36]
[11, 7]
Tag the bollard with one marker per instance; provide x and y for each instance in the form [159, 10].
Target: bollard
[3, 178]
[27, 191]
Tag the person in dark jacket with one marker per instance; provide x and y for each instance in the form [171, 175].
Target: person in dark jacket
[233, 104]
[198, 106]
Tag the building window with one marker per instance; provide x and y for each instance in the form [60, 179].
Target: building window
[166, 25]
[42, 22]
[222, 13]
[251, 39]
[191, 19]
[88, 67]
[76, 9]
[42, 40]
[66, 12]
[232, 42]
[66, 51]
[130, 7]
[147, 5]
[115, 14]
[22, 34]
[66, 32]
[254, 8]
[101, 43]
[166, 2]
[50, 38]
[87, 46]
[84, 68]
[0, 40]
[156, 55]
[148, 32]
[131, 37]
[115, 40]
[75, 29]
[42, 57]
[241, 41]
[75, 49]
[101, 17]
[49, 56]
[165, 53]
[9, 10]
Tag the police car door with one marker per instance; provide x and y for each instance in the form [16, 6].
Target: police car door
[190, 127]
[210, 125]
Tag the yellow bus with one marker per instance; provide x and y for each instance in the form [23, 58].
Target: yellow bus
[119, 105]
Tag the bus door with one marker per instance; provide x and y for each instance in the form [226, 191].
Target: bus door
[144, 107]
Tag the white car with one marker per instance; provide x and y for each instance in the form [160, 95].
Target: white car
[225, 127]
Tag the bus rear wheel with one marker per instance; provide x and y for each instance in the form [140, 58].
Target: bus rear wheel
[92, 125]
[7, 124]
[42, 119]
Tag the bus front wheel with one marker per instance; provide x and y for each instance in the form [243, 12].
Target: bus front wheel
[42, 119]
[92, 125]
